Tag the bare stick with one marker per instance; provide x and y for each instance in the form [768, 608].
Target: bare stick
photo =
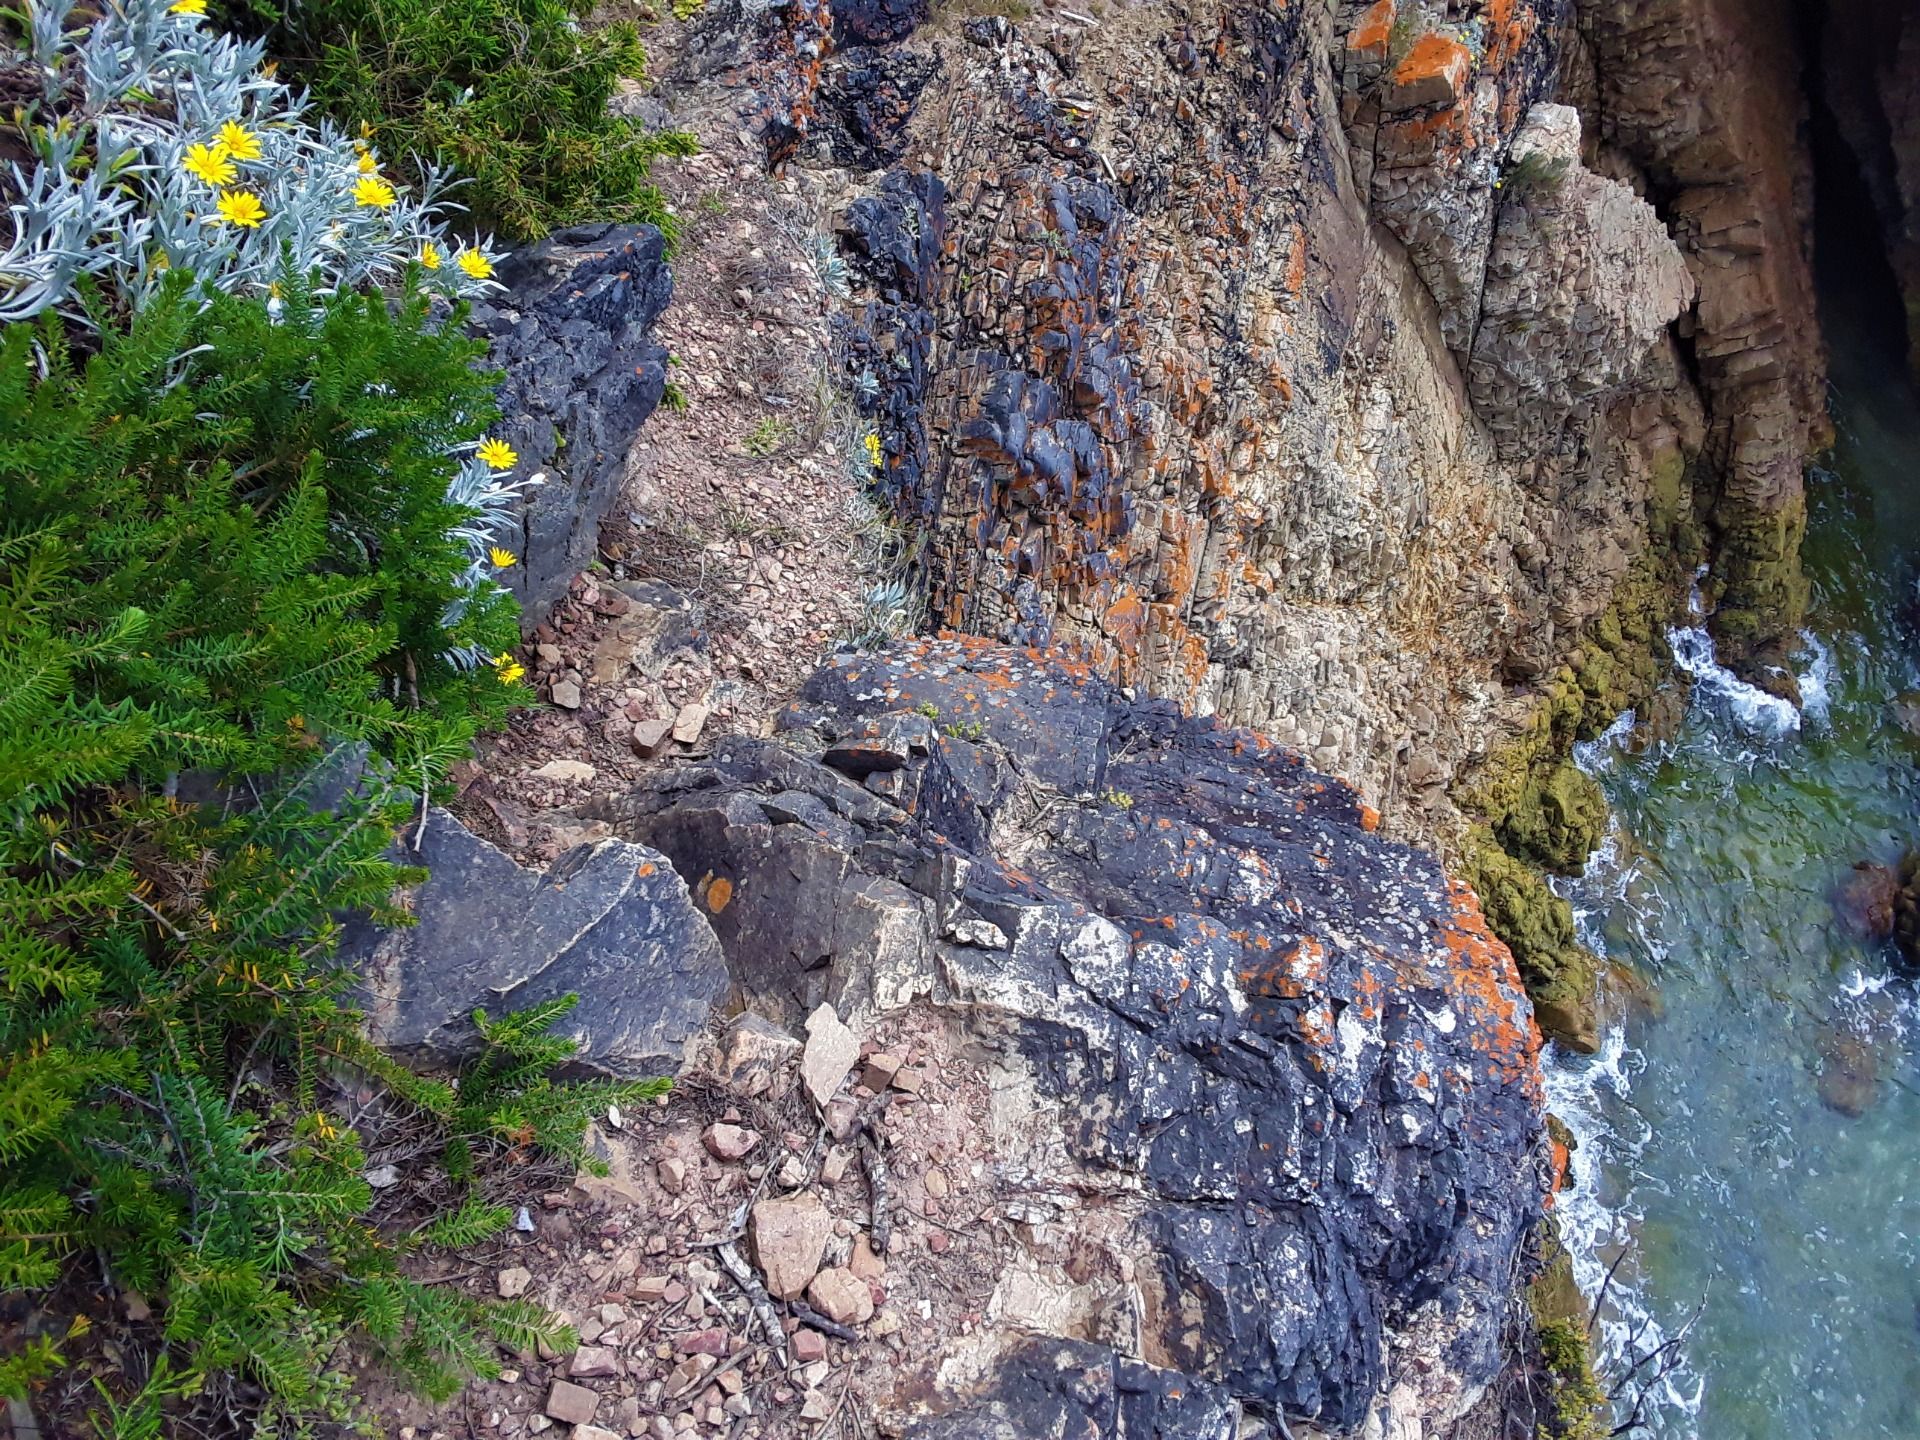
[757, 1296]
[819, 1322]
[875, 1165]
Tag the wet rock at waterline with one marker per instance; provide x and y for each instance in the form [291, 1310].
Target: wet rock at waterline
[1906, 911]
[1865, 900]
[1293, 1042]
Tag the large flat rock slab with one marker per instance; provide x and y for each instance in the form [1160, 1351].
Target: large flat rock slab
[611, 922]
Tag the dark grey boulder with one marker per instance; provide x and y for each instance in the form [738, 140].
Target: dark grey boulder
[611, 922]
[573, 336]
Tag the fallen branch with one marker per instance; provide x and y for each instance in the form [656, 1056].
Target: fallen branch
[880, 1228]
[810, 1316]
[757, 1296]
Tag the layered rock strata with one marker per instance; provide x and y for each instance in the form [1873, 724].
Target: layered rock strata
[1704, 102]
[580, 373]
[1213, 346]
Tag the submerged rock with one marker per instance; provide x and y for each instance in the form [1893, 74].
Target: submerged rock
[1865, 900]
[1293, 1044]
[1906, 910]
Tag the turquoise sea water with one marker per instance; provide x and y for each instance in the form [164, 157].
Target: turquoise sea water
[1708, 1151]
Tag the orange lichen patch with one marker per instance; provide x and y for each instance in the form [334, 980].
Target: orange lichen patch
[1316, 1032]
[645, 869]
[1370, 35]
[1562, 1159]
[1125, 621]
[1278, 383]
[719, 893]
[1368, 990]
[1296, 260]
[1509, 26]
[1434, 71]
[1369, 817]
[1486, 982]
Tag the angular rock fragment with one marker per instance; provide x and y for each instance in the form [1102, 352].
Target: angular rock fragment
[728, 1142]
[831, 1051]
[789, 1236]
[610, 922]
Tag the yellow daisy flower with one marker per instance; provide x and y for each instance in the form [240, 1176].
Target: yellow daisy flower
[242, 208]
[240, 142]
[498, 454]
[501, 558]
[430, 255]
[367, 163]
[373, 192]
[873, 449]
[476, 264]
[507, 668]
[187, 7]
[209, 163]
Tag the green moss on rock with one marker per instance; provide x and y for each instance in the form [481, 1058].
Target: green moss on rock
[1537, 925]
[1541, 811]
[1759, 591]
[1580, 1410]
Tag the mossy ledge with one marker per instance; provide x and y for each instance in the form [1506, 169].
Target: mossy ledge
[1538, 813]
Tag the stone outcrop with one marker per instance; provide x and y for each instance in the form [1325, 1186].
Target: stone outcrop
[1581, 280]
[610, 922]
[1158, 392]
[1727, 166]
[1283, 1051]
[581, 372]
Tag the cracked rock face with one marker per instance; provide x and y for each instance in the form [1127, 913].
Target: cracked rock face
[1164, 323]
[610, 922]
[581, 372]
[1286, 1046]
[1581, 280]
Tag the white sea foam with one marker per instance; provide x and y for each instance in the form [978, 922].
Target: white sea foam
[1748, 706]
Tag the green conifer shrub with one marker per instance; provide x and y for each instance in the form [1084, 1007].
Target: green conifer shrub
[512, 94]
[229, 553]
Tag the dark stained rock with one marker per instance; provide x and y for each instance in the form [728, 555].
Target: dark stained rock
[866, 100]
[1072, 1388]
[875, 22]
[1299, 1038]
[1865, 900]
[581, 373]
[611, 922]
[1906, 911]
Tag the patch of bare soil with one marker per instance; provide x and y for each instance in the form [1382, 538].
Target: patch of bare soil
[744, 501]
[905, 1278]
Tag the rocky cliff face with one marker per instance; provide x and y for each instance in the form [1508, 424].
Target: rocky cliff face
[1170, 398]
[1268, 1068]
[1728, 166]
[1342, 370]
[1361, 374]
